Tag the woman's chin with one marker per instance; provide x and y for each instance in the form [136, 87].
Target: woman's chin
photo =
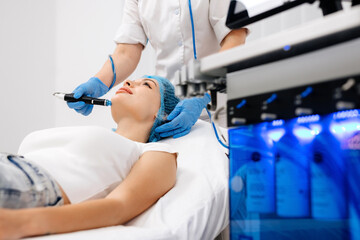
[120, 109]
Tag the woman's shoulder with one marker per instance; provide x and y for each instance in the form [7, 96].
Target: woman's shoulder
[157, 147]
[159, 150]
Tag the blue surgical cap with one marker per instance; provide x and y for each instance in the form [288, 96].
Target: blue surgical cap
[168, 103]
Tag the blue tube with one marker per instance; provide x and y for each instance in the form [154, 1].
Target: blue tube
[114, 72]
[216, 133]
[192, 29]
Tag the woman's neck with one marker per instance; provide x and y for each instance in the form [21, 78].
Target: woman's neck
[133, 130]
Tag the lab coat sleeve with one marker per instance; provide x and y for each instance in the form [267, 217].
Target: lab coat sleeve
[131, 30]
[217, 16]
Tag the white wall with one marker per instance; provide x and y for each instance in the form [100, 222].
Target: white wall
[48, 46]
[27, 69]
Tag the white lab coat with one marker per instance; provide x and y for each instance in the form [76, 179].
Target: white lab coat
[166, 25]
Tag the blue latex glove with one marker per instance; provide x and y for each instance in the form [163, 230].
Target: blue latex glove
[92, 88]
[183, 117]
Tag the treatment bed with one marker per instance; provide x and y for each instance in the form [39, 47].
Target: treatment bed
[196, 208]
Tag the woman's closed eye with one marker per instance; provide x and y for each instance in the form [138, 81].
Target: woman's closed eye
[148, 85]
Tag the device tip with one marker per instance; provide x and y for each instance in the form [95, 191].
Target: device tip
[108, 103]
[59, 95]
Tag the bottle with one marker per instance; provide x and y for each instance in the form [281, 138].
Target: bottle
[252, 181]
[348, 132]
[260, 173]
[292, 168]
[241, 221]
[237, 171]
[328, 188]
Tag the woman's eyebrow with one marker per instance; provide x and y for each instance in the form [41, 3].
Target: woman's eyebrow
[149, 79]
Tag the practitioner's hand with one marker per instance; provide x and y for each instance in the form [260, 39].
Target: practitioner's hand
[9, 225]
[183, 117]
[92, 88]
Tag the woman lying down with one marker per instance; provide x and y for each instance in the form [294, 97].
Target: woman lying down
[77, 178]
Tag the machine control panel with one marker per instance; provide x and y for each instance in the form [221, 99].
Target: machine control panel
[321, 98]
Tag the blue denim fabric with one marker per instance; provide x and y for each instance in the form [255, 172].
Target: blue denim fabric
[25, 185]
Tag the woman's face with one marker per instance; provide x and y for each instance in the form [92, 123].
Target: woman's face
[139, 99]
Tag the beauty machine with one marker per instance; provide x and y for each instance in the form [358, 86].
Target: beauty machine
[293, 113]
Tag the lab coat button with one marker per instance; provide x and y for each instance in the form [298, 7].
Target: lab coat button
[180, 43]
[176, 12]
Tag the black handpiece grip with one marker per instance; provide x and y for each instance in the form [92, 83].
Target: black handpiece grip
[87, 100]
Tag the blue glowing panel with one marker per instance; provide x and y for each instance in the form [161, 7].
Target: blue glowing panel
[296, 179]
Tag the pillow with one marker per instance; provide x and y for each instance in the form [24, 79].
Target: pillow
[197, 206]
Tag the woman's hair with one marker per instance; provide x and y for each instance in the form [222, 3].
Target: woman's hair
[168, 103]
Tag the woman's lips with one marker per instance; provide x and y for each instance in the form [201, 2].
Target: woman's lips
[124, 89]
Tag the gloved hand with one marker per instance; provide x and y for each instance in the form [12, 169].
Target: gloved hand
[183, 117]
[94, 87]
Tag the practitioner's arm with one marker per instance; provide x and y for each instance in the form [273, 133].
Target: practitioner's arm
[234, 38]
[151, 177]
[126, 58]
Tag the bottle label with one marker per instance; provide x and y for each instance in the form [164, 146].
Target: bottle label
[260, 186]
[292, 188]
[328, 196]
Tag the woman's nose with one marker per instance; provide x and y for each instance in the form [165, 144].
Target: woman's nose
[129, 83]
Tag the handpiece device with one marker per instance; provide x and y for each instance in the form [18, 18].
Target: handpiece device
[69, 97]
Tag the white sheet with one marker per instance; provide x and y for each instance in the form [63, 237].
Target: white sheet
[196, 208]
